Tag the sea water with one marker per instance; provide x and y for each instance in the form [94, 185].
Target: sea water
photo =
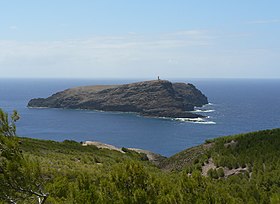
[236, 106]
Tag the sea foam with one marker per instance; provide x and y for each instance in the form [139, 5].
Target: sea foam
[203, 111]
[195, 120]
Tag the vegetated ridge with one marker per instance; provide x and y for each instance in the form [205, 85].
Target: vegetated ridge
[157, 98]
[242, 168]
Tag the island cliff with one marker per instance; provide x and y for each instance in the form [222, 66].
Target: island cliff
[158, 98]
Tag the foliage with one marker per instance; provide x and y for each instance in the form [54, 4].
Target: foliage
[20, 177]
[73, 173]
[8, 127]
[74, 176]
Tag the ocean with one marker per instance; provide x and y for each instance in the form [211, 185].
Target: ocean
[236, 106]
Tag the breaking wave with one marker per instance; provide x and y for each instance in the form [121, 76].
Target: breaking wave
[202, 111]
[195, 120]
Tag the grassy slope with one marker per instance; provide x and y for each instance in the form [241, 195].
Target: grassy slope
[185, 158]
[229, 151]
[258, 153]
[71, 155]
[246, 148]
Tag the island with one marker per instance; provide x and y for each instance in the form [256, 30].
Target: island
[156, 98]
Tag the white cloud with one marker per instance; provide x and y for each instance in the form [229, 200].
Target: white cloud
[179, 54]
[105, 49]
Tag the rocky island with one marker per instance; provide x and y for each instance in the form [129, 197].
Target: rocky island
[157, 98]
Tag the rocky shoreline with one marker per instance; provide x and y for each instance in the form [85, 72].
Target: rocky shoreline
[157, 98]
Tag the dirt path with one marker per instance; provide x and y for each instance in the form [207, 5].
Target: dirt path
[102, 146]
[153, 157]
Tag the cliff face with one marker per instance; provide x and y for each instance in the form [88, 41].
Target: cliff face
[158, 98]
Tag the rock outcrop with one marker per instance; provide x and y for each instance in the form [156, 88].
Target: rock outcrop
[158, 98]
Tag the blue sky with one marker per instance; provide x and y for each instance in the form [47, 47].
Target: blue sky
[140, 39]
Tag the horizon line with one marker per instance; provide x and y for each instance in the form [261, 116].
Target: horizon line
[140, 78]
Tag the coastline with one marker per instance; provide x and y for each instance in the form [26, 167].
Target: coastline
[198, 120]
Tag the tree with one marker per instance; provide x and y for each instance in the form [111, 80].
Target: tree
[7, 127]
[20, 176]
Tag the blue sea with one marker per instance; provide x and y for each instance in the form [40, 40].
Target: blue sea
[236, 106]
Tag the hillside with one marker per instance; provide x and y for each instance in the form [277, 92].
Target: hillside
[234, 169]
[243, 152]
[158, 98]
[242, 168]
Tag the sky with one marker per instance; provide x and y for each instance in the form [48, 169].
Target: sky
[139, 39]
